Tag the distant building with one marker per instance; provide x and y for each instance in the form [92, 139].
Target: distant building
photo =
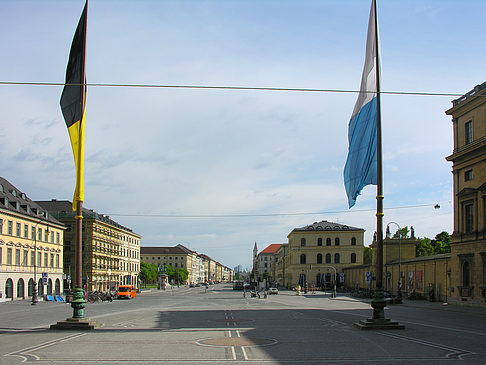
[30, 246]
[319, 251]
[111, 252]
[468, 272]
[266, 263]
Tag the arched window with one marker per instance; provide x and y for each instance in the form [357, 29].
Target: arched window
[302, 242]
[57, 287]
[319, 241]
[319, 258]
[328, 258]
[353, 241]
[40, 287]
[465, 274]
[302, 259]
[336, 241]
[49, 287]
[328, 241]
[336, 258]
[353, 258]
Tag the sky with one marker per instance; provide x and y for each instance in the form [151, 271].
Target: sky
[218, 170]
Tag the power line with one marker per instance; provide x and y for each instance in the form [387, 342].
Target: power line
[262, 215]
[222, 87]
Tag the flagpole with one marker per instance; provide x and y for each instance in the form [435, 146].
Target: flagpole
[79, 303]
[378, 302]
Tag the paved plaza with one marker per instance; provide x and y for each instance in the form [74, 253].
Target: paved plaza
[221, 326]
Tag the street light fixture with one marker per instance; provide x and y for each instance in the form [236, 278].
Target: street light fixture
[399, 292]
[35, 298]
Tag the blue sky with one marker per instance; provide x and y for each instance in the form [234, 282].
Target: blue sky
[219, 152]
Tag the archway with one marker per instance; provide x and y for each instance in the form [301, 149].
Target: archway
[40, 288]
[49, 287]
[20, 288]
[30, 290]
[9, 289]
[57, 287]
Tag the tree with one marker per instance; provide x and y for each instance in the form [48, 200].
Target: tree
[441, 243]
[424, 247]
[367, 257]
[402, 233]
[148, 273]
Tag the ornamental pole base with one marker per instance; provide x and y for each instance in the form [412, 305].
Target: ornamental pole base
[78, 303]
[379, 322]
[73, 324]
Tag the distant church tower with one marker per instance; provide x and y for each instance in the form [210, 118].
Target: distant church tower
[255, 263]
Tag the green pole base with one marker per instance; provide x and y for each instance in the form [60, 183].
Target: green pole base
[78, 303]
[378, 303]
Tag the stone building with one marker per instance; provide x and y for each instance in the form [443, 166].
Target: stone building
[468, 261]
[266, 263]
[111, 252]
[317, 253]
[31, 249]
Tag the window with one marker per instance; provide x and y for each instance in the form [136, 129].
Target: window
[319, 241]
[319, 258]
[26, 231]
[353, 241]
[1, 226]
[32, 232]
[328, 258]
[302, 242]
[26, 258]
[32, 258]
[9, 256]
[46, 235]
[353, 258]
[17, 229]
[465, 274]
[302, 259]
[52, 236]
[17, 257]
[57, 261]
[336, 258]
[52, 260]
[468, 217]
[58, 237]
[328, 241]
[10, 228]
[39, 259]
[468, 175]
[336, 241]
[46, 259]
[468, 132]
[39, 234]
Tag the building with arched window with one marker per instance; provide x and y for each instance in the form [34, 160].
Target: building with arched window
[468, 246]
[310, 263]
[31, 247]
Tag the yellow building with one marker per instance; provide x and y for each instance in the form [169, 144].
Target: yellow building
[317, 254]
[468, 261]
[111, 252]
[30, 247]
[176, 256]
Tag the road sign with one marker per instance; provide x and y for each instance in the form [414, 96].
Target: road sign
[44, 278]
[368, 276]
[342, 277]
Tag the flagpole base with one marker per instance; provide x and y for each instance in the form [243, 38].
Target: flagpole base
[75, 324]
[379, 322]
[78, 304]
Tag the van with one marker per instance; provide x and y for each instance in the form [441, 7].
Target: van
[126, 291]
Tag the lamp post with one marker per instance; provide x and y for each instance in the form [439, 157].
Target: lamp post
[35, 298]
[399, 292]
[335, 277]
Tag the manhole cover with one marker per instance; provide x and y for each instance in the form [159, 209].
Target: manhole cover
[237, 341]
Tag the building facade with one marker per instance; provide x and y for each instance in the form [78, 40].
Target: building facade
[266, 263]
[468, 260]
[31, 247]
[318, 253]
[110, 251]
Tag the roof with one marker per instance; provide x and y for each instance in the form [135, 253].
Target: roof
[171, 250]
[468, 96]
[272, 248]
[327, 226]
[63, 211]
[14, 200]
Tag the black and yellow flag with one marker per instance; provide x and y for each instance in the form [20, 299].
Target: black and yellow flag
[73, 101]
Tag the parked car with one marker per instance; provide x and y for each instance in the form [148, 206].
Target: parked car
[273, 291]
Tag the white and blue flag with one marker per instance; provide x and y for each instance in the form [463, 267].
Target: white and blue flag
[361, 165]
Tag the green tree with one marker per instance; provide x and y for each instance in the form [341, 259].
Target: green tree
[367, 257]
[148, 273]
[441, 243]
[424, 247]
[402, 233]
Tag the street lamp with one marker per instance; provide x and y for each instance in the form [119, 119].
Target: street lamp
[399, 293]
[335, 278]
[35, 298]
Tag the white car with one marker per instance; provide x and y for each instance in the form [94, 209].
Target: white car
[272, 291]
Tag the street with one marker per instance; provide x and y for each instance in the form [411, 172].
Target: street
[219, 326]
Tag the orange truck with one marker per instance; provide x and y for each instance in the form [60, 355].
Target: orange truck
[126, 291]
